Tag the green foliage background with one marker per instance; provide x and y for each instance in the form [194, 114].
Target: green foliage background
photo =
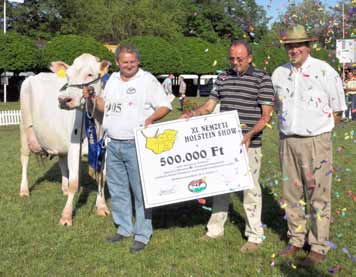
[18, 53]
[67, 47]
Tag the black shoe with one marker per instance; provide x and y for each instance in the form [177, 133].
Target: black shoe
[137, 247]
[115, 238]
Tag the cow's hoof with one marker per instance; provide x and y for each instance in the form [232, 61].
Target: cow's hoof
[65, 221]
[103, 211]
[24, 193]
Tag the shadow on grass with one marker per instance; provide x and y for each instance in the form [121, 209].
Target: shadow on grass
[191, 213]
[185, 214]
[88, 184]
[291, 269]
[273, 215]
[52, 175]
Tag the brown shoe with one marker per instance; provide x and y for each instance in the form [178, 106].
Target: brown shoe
[249, 247]
[289, 251]
[313, 258]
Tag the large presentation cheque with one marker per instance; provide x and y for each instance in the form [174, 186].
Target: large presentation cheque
[182, 160]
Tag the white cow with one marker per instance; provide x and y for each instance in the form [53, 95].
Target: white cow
[47, 128]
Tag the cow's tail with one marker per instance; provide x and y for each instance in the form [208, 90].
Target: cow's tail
[25, 102]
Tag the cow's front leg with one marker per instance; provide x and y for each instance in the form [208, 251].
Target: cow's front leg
[101, 208]
[63, 164]
[73, 167]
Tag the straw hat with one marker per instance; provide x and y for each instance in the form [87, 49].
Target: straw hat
[296, 34]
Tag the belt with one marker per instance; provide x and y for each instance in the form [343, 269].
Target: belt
[282, 136]
[123, 140]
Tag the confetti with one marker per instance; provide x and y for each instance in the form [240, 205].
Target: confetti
[335, 269]
[344, 249]
[331, 244]
[301, 202]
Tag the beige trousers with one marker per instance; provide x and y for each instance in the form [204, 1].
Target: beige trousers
[306, 164]
[252, 203]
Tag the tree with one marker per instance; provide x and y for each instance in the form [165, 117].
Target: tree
[219, 20]
[112, 21]
[67, 47]
[349, 8]
[201, 57]
[320, 21]
[157, 55]
[18, 53]
[106, 20]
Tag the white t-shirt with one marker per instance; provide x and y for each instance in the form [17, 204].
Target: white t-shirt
[128, 104]
[306, 98]
[167, 85]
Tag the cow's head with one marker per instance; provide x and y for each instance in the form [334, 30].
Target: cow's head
[86, 70]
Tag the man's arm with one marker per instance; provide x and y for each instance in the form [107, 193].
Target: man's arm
[204, 109]
[261, 123]
[158, 114]
[337, 117]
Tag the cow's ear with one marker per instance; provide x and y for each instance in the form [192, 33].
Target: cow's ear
[59, 68]
[104, 67]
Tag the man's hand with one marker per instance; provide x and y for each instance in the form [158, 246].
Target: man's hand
[157, 115]
[148, 121]
[88, 92]
[247, 139]
[187, 114]
[337, 117]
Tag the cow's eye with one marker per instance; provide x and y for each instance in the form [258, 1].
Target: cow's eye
[90, 75]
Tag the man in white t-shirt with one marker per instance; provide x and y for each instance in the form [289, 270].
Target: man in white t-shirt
[310, 100]
[132, 98]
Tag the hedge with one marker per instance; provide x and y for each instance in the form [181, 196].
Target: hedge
[18, 53]
[67, 47]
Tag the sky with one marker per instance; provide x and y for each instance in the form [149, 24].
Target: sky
[275, 7]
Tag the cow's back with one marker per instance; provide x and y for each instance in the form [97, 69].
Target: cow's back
[39, 106]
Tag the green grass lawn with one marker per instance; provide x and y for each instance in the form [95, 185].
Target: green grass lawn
[32, 242]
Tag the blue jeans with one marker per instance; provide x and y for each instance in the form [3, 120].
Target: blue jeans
[353, 106]
[122, 174]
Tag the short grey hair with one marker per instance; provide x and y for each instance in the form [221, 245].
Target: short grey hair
[244, 43]
[126, 48]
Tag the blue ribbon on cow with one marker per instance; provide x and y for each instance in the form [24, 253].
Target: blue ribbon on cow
[104, 79]
[96, 148]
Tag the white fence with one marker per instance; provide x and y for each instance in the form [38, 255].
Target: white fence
[10, 117]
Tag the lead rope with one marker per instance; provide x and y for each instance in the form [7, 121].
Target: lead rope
[80, 144]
